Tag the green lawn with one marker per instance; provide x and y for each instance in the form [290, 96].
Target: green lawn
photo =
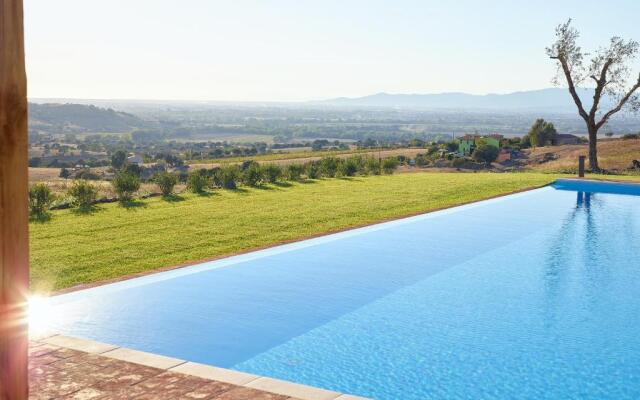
[71, 248]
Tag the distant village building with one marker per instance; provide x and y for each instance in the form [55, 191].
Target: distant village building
[565, 138]
[135, 160]
[468, 143]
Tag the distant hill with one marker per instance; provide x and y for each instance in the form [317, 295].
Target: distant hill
[79, 118]
[557, 99]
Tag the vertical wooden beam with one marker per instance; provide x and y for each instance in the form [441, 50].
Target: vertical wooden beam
[14, 246]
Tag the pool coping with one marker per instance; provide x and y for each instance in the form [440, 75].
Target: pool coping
[186, 264]
[203, 371]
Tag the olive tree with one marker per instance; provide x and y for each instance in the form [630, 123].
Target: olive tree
[609, 69]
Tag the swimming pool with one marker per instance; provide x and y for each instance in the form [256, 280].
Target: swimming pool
[533, 295]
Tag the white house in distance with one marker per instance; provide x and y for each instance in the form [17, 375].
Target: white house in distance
[135, 159]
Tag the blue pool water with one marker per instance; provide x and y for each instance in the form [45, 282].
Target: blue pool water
[529, 296]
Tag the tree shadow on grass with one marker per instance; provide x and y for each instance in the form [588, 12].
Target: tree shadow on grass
[283, 184]
[263, 186]
[133, 204]
[350, 178]
[173, 198]
[239, 190]
[307, 181]
[92, 209]
[40, 218]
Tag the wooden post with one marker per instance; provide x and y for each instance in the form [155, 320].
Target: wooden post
[581, 166]
[14, 246]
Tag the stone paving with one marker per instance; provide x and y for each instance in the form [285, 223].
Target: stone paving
[61, 373]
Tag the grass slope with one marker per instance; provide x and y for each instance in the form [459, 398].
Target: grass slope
[114, 241]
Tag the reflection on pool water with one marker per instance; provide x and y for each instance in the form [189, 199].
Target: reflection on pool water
[532, 296]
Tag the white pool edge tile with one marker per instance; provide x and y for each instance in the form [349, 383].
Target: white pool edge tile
[214, 373]
[79, 344]
[292, 389]
[143, 358]
[276, 386]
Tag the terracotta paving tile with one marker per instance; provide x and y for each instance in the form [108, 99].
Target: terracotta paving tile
[244, 393]
[86, 394]
[42, 350]
[210, 390]
[67, 353]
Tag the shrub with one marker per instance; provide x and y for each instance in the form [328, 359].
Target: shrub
[197, 181]
[312, 170]
[389, 165]
[118, 159]
[329, 166]
[486, 153]
[459, 162]
[166, 181]
[132, 169]
[83, 194]
[629, 136]
[40, 199]
[271, 173]
[295, 171]
[87, 175]
[372, 166]
[252, 175]
[125, 185]
[227, 177]
[421, 160]
[64, 173]
[348, 167]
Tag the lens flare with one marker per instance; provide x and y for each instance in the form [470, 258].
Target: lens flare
[40, 315]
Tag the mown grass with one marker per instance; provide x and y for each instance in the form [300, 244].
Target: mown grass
[113, 241]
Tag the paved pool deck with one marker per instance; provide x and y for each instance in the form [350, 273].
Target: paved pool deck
[63, 367]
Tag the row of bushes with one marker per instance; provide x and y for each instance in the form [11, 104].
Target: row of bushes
[250, 173]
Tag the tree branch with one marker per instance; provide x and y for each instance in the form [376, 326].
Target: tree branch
[572, 87]
[600, 84]
[621, 104]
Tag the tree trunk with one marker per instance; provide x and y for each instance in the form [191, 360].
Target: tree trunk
[14, 244]
[593, 147]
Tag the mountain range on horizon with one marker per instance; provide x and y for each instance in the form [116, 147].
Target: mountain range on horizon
[557, 99]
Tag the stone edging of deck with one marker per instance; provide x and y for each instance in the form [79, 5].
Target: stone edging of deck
[298, 391]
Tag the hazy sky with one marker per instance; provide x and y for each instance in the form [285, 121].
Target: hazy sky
[301, 50]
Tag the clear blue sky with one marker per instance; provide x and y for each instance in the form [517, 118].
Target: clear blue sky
[301, 50]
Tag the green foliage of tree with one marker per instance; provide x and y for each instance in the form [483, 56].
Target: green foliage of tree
[421, 160]
[227, 177]
[486, 153]
[198, 181]
[294, 172]
[125, 186]
[312, 170]
[118, 159]
[64, 173]
[83, 193]
[541, 133]
[452, 146]
[329, 166]
[372, 166]
[40, 200]
[132, 169]
[390, 164]
[166, 181]
[272, 172]
[348, 167]
[252, 175]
